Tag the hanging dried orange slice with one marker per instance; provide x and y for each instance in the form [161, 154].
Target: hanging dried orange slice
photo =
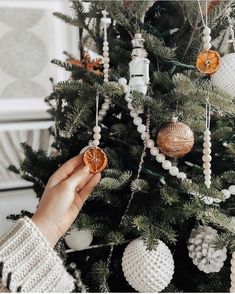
[208, 61]
[95, 159]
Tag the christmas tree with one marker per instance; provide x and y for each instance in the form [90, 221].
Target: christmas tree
[163, 194]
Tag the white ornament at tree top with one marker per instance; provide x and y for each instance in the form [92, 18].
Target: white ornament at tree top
[139, 66]
[224, 77]
[78, 239]
[202, 251]
[147, 270]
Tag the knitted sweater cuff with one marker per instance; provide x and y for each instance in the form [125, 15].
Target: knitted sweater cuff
[29, 264]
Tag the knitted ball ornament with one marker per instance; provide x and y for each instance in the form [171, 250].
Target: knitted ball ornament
[147, 270]
[224, 77]
[202, 251]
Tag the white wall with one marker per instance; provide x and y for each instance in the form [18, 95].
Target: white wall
[25, 80]
[12, 202]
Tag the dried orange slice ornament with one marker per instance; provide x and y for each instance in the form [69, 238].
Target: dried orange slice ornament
[208, 61]
[96, 159]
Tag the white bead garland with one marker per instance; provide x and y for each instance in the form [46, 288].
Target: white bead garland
[106, 105]
[206, 158]
[206, 31]
[173, 170]
[232, 276]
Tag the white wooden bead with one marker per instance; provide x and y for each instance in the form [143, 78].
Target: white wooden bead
[206, 165]
[100, 117]
[126, 88]
[97, 136]
[106, 65]
[102, 112]
[105, 48]
[105, 106]
[206, 31]
[206, 39]
[207, 132]
[150, 143]
[166, 164]
[141, 128]
[207, 144]
[106, 80]
[106, 76]
[207, 46]
[182, 176]
[232, 192]
[207, 138]
[226, 193]
[160, 157]
[97, 129]
[106, 54]
[206, 151]
[133, 114]
[144, 136]
[154, 150]
[207, 172]
[105, 71]
[105, 43]
[208, 183]
[107, 100]
[206, 158]
[128, 100]
[122, 81]
[96, 142]
[129, 105]
[137, 120]
[106, 59]
[174, 171]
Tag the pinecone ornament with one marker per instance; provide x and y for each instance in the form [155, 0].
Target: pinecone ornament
[202, 251]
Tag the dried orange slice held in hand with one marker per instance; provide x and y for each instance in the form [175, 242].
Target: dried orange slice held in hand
[95, 159]
[208, 61]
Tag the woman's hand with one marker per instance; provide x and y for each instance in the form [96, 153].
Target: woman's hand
[64, 195]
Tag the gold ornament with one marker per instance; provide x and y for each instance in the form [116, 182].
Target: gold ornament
[175, 139]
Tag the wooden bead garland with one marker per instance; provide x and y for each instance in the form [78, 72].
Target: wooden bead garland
[173, 170]
[206, 158]
[232, 276]
[106, 105]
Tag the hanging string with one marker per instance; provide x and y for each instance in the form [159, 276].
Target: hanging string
[140, 166]
[202, 17]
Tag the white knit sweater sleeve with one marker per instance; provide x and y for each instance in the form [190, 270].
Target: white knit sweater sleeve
[29, 264]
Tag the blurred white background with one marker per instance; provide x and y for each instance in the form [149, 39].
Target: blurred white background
[30, 36]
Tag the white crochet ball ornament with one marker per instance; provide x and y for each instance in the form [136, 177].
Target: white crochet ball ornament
[224, 77]
[205, 256]
[145, 270]
[78, 239]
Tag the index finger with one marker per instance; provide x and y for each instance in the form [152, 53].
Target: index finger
[65, 170]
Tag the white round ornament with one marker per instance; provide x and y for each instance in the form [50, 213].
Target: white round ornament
[224, 77]
[202, 251]
[147, 270]
[78, 239]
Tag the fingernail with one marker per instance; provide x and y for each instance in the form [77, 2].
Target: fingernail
[86, 169]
